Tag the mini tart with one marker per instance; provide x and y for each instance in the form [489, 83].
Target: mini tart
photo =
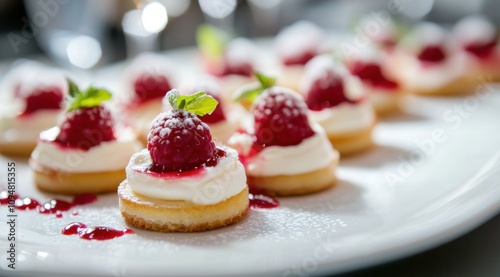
[430, 66]
[275, 179]
[61, 182]
[179, 216]
[170, 203]
[299, 184]
[74, 171]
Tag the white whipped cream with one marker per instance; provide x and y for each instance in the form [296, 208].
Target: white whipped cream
[345, 118]
[107, 156]
[213, 185]
[26, 128]
[311, 154]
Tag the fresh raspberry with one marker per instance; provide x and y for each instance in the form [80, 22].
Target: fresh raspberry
[179, 141]
[217, 115]
[432, 53]
[49, 98]
[148, 87]
[372, 73]
[242, 69]
[225, 68]
[481, 50]
[84, 128]
[300, 59]
[326, 91]
[280, 118]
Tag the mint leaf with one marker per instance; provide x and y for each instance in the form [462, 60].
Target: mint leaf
[173, 96]
[211, 40]
[202, 105]
[73, 89]
[92, 97]
[265, 81]
[198, 103]
[250, 93]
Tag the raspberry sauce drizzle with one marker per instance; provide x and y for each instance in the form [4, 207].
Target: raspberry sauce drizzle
[261, 200]
[4, 197]
[52, 206]
[95, 232]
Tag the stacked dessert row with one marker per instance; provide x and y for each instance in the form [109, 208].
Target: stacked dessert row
[230, 129]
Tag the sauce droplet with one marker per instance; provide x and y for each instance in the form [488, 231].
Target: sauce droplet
[95, 232]
[260, 200]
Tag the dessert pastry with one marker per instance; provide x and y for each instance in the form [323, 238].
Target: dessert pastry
[183, 182]
[383, 91]
[336, 101]
[226, 117]
[231, 61]
[426, 63]
[149, 78]
[282, 152]
[478, 37]
[36, 95]
[86, 153]
[295, 46]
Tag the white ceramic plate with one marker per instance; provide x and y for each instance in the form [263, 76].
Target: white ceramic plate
[433, 197]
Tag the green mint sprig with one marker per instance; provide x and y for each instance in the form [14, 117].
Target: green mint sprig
[199, 103]
[211, 41]
[253, 92]
[89, 98]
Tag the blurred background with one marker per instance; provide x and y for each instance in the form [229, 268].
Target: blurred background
[93, 33]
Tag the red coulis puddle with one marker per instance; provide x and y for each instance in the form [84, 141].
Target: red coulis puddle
[95, 232]
[52, 206]
[260, 200]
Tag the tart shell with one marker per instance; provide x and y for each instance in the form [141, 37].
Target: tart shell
[179, 216]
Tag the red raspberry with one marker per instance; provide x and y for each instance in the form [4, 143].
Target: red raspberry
[225, 68]
[148, 87]
[84, 128]
[49, 98]
[242, 69]
[300, 59]
[326, 91]
[481, 50]
[217, 115]
[432, 53]
[280, 118]
[179, 141]
[372, 73]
